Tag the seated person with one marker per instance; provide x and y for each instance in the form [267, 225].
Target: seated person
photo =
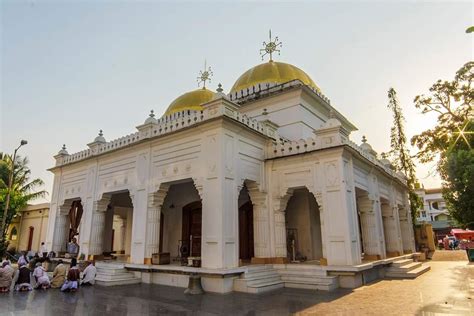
[89, 273]
[23, 279]
[73, 248]
[59, 275]
[6, 276]
[41, 277]
[73, 277]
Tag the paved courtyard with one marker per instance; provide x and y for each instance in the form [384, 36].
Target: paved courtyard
[447, 289]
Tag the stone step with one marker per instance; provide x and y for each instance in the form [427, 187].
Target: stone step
[117, 282]
[265, 287]
[109, 265]
[310, 286]
[258, 267]
[258, 274]
[405, 268]
[315, 280]
[401, 262]
[111, 271]
[258, 282]
[409, 274]
[308, 273]
[112, 277]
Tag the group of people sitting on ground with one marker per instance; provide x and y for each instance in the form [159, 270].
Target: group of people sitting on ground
[21, 278]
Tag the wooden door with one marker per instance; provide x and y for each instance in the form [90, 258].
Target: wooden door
[30, 238]
[162, 221]
[246, 249]
[192, 228]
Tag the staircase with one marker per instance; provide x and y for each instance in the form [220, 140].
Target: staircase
[258, 279]
[306, 277]
[113, 273]
[406, 269]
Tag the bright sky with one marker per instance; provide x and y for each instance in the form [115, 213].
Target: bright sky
[70, 68]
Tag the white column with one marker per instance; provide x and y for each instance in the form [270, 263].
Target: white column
[155, 202]
[405, 229]
[61, 232]
[98, 226]
[260, 222]
[372, 234]
[392, 239]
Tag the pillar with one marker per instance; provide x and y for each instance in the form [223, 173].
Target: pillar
[391, 231]
[260, 222]
[98, 226]
[406, 229]
[61, 231]
[155, 203]
[372, 233]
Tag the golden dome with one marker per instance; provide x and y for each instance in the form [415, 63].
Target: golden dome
[190, 101]
[272, 72]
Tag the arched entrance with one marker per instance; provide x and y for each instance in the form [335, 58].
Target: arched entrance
[192, 229]
[246, 233]
[303, 227]
[181, 222]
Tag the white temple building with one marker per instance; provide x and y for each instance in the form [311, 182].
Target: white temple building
[262, 180]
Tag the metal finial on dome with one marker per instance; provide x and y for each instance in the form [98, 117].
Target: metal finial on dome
[64, 147]
[101, 133]
[219, 88]
[204, 75]
[271, 46]
[364, 139]
[152, 113]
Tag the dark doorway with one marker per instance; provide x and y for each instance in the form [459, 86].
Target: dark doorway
[246, 251]
[30, 238]
[162, 227]
[192, 228]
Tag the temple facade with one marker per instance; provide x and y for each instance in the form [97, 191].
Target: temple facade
[266, 173]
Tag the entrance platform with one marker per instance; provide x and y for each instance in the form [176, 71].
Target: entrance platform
[266, 277]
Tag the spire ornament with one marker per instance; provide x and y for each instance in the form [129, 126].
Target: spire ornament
[271, 47]
[204, 75]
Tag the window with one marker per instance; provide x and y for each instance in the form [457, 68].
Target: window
[423, 213]
[435, 205]
[13, 234]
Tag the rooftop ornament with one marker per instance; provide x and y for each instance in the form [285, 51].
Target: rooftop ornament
[204, 75]
[270, 47]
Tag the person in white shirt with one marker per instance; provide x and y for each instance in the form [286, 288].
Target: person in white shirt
[41, 277]
[43, 250]
[89, 273]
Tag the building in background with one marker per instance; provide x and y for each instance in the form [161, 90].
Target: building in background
[435, 211]
[28, 228]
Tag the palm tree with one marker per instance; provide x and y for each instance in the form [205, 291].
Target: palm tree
[23, 190]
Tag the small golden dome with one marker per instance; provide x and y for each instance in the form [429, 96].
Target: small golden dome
[272, 72]
[190, 101]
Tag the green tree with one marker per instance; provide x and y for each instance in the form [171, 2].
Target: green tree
[400, 153]
[23, 190]
[451, 141]
[458, 190]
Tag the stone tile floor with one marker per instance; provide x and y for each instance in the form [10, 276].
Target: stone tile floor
[447, 289]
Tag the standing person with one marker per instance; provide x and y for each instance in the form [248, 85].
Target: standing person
[73, 248]
[73, 277]
[23, 279]
[89, 273]
[41, 277]
[43, 250]
[59, 275]
[6, 276]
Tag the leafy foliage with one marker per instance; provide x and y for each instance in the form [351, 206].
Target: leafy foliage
[452, 140]
[452, 101]
[400, 154]
[458, 190]
[23, 190]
